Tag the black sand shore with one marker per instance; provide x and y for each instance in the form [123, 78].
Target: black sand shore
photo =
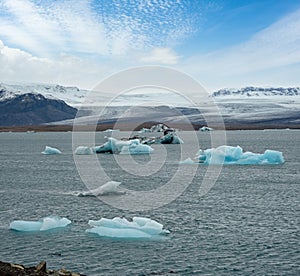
[9, 269]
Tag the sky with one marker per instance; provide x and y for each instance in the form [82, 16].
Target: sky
[221, 43]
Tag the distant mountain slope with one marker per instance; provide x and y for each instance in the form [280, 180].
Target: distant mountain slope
[251, 91]
[71, 95]
[35, 104]
[33, 109]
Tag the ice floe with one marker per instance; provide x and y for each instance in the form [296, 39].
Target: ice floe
[49, 151]
[117, 227]
[109, 188]
[44, 224]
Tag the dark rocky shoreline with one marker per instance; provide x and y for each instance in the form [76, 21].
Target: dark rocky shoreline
[10, 269]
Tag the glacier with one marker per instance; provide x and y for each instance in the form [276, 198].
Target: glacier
[117, 227]
[49, 151]
[124, 147]
[235, 155]
[43, 224]
[111, 187]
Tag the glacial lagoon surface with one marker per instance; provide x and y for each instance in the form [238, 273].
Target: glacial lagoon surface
[247, 224]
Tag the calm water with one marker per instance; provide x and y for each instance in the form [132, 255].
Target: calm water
[248, 224]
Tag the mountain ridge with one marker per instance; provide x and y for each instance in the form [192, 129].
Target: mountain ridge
[33, 109]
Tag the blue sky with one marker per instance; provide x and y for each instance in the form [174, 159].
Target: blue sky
[225, 43]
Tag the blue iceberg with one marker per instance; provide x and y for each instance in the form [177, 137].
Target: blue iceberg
[44, 224]
[235, 155]
[118, 227]
[49, 151]
[124, 147]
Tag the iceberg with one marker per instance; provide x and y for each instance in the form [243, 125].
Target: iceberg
[118, 227]
[136, 147]
[133, 146]
[169, 138]
[44, 224]
[236, 155]
[205, 128]
[108, 188]
[81, 150]
[49, 150]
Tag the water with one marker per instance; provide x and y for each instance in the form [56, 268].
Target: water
[247, 224]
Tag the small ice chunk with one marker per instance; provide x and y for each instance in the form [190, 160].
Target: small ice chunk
[49, 150]
[205, 128]
[44, 224]
[118, 227]
[111, 187]
[187, 161]
[81, 150]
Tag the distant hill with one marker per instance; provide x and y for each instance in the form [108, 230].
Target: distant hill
[33, 109]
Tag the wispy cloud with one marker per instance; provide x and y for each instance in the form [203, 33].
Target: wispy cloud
[274, 47]
[107, 28]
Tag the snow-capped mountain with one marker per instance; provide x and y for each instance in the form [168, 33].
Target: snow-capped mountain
[71, 95]
[33, 109]
[276, 107]
[251, 91]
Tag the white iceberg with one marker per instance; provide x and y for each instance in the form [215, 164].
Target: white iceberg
[235, 155]
[44, 224]
[118, 227]
[130, 147]
[111, 187]
[49, 151]
[82, 150]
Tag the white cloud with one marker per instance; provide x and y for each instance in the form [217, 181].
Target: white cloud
[20, 66]
[161, 56]
[277, 46]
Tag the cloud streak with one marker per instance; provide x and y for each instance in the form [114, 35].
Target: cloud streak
[274, 47]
